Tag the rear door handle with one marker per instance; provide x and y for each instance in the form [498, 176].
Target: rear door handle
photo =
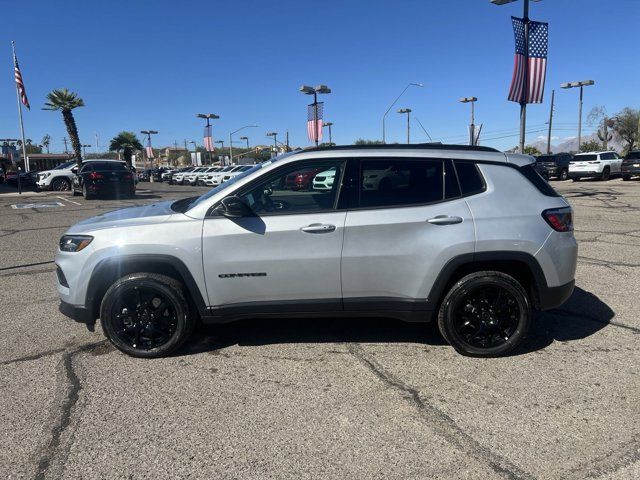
[318, 228]
[444, 220]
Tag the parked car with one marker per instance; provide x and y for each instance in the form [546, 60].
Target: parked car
[235, 172]
[473, 239]
[27, 179]
[302, 179]
[191, 177]
[200, 176]
[100, 177]
[58, 178]
[177, 178]
[166, 175]
[599, 165]
[557, 164]
[1, 175]
[215, 178]
[542, 171]
[324, 180]
[631, 165]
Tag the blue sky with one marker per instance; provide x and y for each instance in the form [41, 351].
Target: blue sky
[154, 64]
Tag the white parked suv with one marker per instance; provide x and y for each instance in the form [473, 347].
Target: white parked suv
[473, 238]
[59, 178]
[235, 172]
[324, 180]
[215, 179]
[595, 164]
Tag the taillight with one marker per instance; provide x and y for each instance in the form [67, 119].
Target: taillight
[560, 219]
[95, 175]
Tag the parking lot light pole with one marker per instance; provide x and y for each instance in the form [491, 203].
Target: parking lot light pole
[148, 133]
[231, 140]
[84, 151]
[246, 139]
[472, 127]
[329, 125]
[384, 131]
[525, 77]
[208, 116]
[408, 112]
[275, 139]
[322, 89]
[581, 84]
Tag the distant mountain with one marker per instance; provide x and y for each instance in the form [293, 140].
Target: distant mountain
[570, 144]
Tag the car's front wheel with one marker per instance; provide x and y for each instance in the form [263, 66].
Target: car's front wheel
[146, 315]
[626, 178]
[485, 314]
[61, 185]
[564, 174]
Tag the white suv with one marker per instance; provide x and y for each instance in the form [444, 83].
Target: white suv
[595, 164]
[60, 178]
[471, 238]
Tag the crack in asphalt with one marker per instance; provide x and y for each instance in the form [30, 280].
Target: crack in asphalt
[439, 421]
[26, 265]
[35, 356]
[68, 403]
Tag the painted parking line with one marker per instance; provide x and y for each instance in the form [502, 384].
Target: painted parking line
[23, 206]
[69, 200]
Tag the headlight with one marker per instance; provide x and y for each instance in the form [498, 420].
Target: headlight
[44, 175]
[74, 243]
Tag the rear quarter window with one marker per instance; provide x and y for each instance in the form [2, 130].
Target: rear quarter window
[540, 183]
[471, 181]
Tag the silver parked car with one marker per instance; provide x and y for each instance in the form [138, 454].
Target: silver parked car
[466, 236]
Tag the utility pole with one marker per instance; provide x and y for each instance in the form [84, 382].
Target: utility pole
[525, 79]
[65, 145]
[553, 93]
[287, 137]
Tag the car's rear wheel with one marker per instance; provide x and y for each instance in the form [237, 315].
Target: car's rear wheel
[575, 179]
[85, 193]
[485, 314]
[626, 178]
[564, 174]
[146, 315]
[61, 184]
[606, 173]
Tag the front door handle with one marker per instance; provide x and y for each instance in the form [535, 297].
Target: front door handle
[444, 220]
[318, 228]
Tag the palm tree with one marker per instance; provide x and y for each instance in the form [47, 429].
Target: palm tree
[46, 141]
[127, 143]
[66, 101]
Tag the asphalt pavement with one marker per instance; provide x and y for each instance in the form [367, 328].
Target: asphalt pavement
[317, 398]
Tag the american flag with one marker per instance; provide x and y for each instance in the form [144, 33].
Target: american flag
[149, 149]
[529, 89]
[208, 139]
[20, 83]
[314, 128]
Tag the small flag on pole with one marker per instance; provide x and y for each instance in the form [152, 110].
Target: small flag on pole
[208, 139]
[527, 84]
[149, 149]
[20, 83]
[314, 121]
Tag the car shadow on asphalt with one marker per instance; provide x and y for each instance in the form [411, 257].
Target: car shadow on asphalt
[581, 316]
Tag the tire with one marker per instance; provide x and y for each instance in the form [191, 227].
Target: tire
[626, 178]
[61, 185]
[564, 174]
[75, 192]
[499, 304]
[163, 319]
[575, 179]
[85, 193]
[606, 174]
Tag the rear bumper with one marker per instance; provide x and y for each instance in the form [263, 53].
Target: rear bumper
[585, 173]
[552, 297]
[630, 170]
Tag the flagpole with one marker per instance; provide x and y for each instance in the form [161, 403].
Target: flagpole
[24, 144]
[525, 79]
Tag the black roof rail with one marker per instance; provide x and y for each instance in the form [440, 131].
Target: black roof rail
[404, 146]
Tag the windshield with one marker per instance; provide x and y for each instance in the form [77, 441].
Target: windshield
[545, 158]
[65, 165]
[233, 180]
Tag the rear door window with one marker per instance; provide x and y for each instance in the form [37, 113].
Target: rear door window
[398, 182]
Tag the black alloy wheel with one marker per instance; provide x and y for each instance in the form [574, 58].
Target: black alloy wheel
[564, 174]
[485, 314]
[606, 173]
[61, 185]
[146, 315]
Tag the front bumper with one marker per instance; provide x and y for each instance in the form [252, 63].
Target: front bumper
[79, 314]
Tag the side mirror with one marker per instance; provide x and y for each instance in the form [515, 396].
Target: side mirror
[234, 207]
[74, 170]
